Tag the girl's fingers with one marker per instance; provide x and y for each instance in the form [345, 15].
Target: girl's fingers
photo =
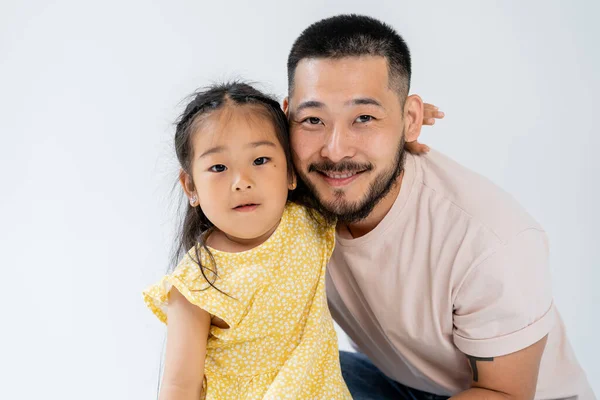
[416, 147]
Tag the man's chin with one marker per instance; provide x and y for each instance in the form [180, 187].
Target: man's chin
[339, 207]
[334, 198]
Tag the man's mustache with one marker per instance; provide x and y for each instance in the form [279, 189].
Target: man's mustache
[343, 166]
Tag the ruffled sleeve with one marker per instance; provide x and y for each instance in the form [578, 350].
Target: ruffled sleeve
[235, 288]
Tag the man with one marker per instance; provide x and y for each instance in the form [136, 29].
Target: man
[439, 277]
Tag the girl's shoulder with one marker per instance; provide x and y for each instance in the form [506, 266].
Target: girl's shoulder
[306, 224]
[307, 216]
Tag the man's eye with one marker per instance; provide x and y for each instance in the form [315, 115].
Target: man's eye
[364, 118]
[261, 160]
[312, 120]
[218, 168]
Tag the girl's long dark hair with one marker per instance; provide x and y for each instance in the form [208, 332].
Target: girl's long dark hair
[195, 224]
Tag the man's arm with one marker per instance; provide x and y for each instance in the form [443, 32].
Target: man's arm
[513, 376]
[503, 313]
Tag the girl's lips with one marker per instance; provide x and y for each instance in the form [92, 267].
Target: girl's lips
[246, 207]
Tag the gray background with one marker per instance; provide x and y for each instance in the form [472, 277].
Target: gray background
[88, 94]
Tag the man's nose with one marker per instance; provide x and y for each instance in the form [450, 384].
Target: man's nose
[338, 145]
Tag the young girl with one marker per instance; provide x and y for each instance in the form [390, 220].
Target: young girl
[246, 307]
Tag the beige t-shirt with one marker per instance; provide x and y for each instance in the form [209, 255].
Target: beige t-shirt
[456, 266]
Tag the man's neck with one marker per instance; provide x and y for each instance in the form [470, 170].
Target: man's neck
[362, 227]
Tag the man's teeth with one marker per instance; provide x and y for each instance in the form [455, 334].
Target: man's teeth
[340, 176]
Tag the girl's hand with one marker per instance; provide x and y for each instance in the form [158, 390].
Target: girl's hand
[430, 114]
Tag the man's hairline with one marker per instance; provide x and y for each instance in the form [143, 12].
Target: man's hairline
[403, 96]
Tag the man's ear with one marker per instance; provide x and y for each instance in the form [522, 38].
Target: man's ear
[413, 117]
[286, 107]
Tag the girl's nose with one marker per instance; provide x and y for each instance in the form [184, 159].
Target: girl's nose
[242, 183]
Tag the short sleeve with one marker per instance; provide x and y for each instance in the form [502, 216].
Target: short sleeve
[228, 301]
[505, 303]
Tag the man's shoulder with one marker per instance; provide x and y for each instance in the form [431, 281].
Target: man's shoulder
[478, 199]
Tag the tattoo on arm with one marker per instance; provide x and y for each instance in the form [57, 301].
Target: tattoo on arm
[473, 362]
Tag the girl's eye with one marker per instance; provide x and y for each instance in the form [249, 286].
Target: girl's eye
[312, 120]
[364, 118]
[261, 160]
[218, 168]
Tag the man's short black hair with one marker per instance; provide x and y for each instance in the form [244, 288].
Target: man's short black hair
[354, 36]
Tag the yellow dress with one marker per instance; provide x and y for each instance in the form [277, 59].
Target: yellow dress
[281, 343]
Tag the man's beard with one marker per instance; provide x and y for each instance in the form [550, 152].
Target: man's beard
[345, 211]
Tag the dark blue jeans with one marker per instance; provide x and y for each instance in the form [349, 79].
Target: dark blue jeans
[366, 382]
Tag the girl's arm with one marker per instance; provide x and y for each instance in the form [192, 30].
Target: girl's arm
[187, 334]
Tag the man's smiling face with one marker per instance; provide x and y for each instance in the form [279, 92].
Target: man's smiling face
[347, 132]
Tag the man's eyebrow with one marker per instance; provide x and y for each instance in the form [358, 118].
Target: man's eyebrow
[354, 102]
[309, 104]
[214, 150]
[364, 101]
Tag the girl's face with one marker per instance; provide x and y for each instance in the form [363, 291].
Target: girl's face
[239, 172]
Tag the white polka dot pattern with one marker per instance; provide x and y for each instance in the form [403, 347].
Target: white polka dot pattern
[281, 343]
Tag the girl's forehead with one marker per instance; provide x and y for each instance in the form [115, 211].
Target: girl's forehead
[235, 125]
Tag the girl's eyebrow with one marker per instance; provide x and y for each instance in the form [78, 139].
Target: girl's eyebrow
[221, 149]
[217, 149]
[261, 143]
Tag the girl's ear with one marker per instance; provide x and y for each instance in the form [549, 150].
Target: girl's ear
[293, 182]
[188, 187]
